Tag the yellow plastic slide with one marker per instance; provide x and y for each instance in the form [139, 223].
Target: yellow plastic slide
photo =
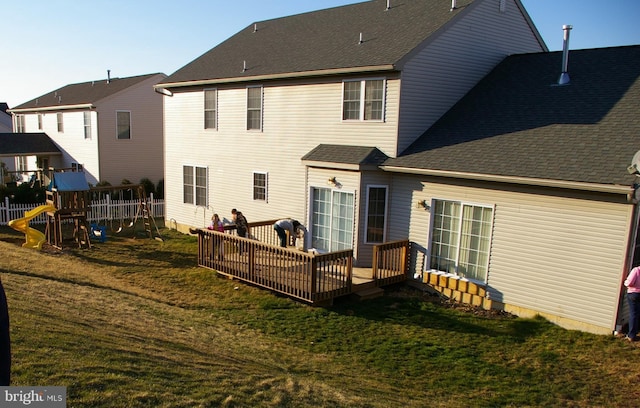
[34, 238]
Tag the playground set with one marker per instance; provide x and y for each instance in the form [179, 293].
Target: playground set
[68, 202]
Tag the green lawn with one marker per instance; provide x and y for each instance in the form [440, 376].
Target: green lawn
[135, 323]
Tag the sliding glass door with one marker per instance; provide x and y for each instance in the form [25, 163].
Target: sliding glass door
[331, 219]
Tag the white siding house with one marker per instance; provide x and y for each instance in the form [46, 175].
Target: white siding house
[111, 128]
[446, 127]
[302, 98]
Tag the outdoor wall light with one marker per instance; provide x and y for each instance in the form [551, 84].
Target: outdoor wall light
[332, 181]
[424, 204]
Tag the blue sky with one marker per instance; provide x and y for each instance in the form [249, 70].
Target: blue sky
[51, 43]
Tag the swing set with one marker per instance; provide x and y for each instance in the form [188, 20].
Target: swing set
[114, 217]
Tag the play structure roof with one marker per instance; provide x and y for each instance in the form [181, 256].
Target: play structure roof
[70, 181]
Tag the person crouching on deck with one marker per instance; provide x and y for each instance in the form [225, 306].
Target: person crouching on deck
[284, 225]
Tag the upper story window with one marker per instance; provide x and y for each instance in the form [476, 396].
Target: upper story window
[260, 186]
[60, 123]
[363, 100]
[87, 125]
[123, 124]
[461, 239]
[254, 108]
[210, 108]
[39, 121]
[20, 124]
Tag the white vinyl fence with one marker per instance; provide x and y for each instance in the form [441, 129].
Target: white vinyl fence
[103, 211]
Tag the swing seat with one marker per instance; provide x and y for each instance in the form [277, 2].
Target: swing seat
[99, 231]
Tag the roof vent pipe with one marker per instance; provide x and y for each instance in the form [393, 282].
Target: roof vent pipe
[388, 4]
[255, 27]
[454, 5]
[108, 76]
[564, 76]
[360, 41]
[244, 65]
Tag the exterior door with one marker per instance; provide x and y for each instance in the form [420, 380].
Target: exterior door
[332, 214]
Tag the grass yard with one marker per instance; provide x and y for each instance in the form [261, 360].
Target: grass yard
[135, 323]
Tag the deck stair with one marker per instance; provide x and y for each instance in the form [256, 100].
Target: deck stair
[366, 292]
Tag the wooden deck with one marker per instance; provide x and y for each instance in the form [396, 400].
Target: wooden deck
[312, 278]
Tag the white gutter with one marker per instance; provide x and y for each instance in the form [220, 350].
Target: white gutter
[53, 108]
[283, 75]
[572, 185]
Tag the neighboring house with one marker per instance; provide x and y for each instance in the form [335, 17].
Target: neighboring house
[5, 119]
[18, 149]
[372, 125]
[111, 128]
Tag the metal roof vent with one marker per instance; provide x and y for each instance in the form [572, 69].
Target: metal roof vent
[564, 76]
[388, 4]
[360, 41]
[454, 5]
[255, 27]
[108, 76]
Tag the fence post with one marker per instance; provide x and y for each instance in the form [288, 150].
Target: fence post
[6, 210]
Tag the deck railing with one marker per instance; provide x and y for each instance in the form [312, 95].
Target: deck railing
[390, 262]
[308, 277]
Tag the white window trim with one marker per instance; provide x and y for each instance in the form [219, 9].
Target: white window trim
[86, 125]
[386, 211]
[195, 184]
[362, 100]
[60, 122]
[204, 109]
[130, 124]
[261, 108]
[266, 186]
[427, 260]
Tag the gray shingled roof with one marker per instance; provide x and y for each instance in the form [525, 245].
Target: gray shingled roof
[16, 144]
[517, 122]
[324, 40]
[83, 93]
[357, 155]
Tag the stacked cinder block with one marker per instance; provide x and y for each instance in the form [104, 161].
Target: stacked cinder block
[458, 290]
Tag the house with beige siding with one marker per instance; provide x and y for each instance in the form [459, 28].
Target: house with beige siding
[382, 121]
[111, 128]
[524, 188]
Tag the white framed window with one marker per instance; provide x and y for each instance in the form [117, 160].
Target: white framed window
[210, 108]
[461, 238]
[21, 163]
[363, 99]
[260, 180]
[39, 121]
[123, 125]
[194, 185]
[20, 124]
[254, 108]
[375, 222]
[87, 125]
[60, 122]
